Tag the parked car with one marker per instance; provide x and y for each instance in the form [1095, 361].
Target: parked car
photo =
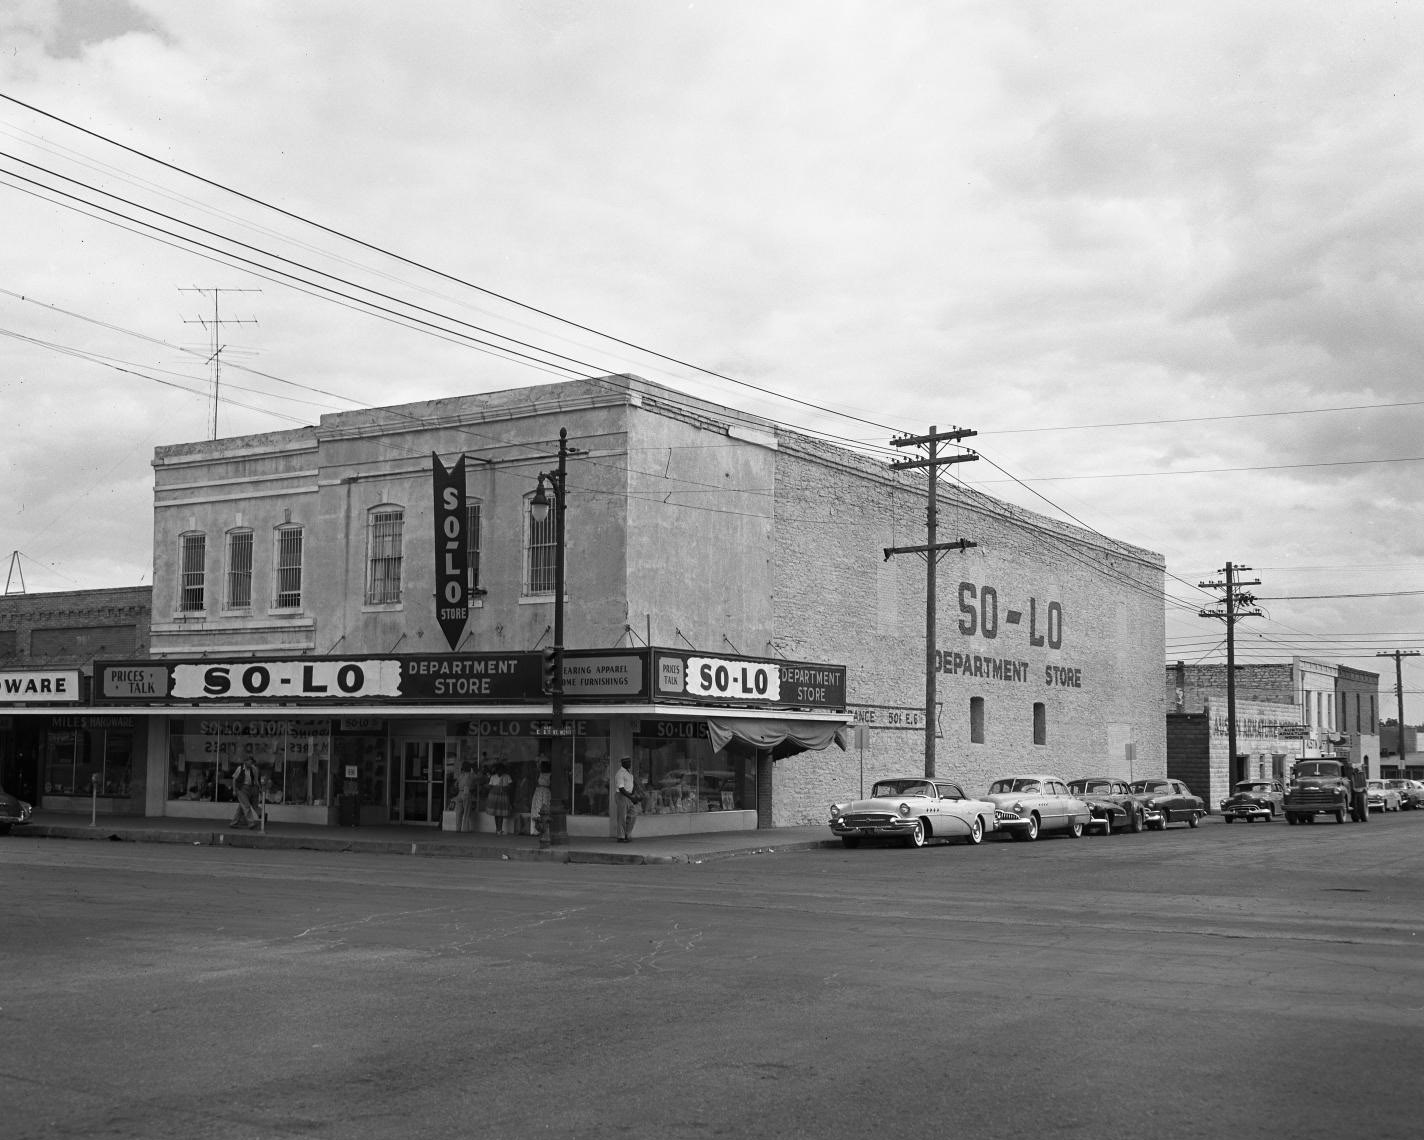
[1169, 801]
[914, 810]
[1114, 799]
[1254, 799]
[1411, 793]
[13, 811]
[1381, 797]
[1026, 806]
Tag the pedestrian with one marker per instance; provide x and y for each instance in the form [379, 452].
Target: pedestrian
[626, 789]
[539, 802]
[244, 787]
[497, 799]
[465, 798]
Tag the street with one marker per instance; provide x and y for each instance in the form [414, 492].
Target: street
[1252, 980]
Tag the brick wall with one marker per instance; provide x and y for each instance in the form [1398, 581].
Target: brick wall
[73, 627]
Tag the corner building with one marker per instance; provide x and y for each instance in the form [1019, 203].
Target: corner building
[730, 619]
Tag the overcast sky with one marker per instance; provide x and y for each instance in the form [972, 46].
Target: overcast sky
[1165, 259]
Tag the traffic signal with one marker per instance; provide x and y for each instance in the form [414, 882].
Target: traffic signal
[551, 676]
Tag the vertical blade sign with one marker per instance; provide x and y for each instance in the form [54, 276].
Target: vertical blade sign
[452, 596]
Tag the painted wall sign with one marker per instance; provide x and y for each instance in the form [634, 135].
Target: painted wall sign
[981, 615]
[45, 686]
[452, 583]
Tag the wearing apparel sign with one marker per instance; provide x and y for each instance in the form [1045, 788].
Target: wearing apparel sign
[452, 583]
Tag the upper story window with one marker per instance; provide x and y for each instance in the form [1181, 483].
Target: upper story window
[541, 550]
[239, 569]
[1040, 722]
[383, 555]
[192, 572]
[287, 567]
[976, 720]
[472, 544]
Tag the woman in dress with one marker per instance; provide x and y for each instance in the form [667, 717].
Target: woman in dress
[497, 800]
[539, 801]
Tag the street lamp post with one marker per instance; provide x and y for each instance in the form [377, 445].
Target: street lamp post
[539, 507]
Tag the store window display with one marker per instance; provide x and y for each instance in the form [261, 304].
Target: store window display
[293, 758]
[674, 760]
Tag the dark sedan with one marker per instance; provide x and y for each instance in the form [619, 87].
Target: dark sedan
[1169, 801]
[12, 811]
[1112, 800]
[1254, 799]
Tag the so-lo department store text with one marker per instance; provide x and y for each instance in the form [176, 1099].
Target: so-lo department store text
[382, 739]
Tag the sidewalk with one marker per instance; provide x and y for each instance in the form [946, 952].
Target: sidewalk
[388, 840]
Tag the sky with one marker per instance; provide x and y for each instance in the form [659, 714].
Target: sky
[1164, 259]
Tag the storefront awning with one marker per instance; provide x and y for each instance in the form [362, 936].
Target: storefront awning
[783, 737]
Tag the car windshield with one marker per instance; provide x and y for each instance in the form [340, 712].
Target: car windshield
[889, 788]
[1090, 786]
[1016, 784]
[1253, 786]
[1151, 786]
[1317, 768]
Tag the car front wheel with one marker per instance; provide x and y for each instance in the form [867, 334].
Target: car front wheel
[917, 837]
[976, 831]
[1076, 830]
[1030, 833]
[1195, 819]
[1136, 821]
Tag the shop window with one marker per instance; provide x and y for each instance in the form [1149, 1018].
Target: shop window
[288, 568]
[192, 563]
[383, 555]
[472, 547]
[239, 569]
[541, 549]
[292, 758]
[976, 720]
[674, 763]
[522, 746]
[1040, 723]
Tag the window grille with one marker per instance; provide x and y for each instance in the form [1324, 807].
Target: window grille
[472, 545]
[289, 568]
[542, 552]
[383, 583]
[192, 572]
[239, 569]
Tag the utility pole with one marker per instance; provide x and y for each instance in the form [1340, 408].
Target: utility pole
[1236, 605]
[1397, 654]
[931, 550]
[214, 327]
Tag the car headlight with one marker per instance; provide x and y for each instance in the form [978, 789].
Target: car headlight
[905, 811]
[835, 810]
[1017, 809]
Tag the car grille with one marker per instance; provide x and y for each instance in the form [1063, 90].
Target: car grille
[869, 819]
[1315, 796]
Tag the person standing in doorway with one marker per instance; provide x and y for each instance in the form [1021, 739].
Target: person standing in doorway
[465, 798]
[497, 799]
[244, 787]
[625, 787]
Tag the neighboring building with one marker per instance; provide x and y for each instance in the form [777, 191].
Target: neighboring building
[1391, 767]
[1284, 712]
[728, 607]
[57, 751]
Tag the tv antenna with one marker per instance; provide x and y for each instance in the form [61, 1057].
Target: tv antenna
[214, 326]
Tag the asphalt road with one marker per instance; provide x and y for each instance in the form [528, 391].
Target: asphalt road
[1245, 981]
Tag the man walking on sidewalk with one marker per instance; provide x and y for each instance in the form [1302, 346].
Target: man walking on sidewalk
[244, 787]
[626, 789]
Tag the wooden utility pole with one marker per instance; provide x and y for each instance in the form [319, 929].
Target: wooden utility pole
[1398, 654]
[1236, 606]
[931, 550]
[214, 327]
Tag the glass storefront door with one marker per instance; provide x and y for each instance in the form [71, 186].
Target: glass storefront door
[422, 781]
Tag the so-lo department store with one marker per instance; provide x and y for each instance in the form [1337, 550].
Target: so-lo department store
[383, 739]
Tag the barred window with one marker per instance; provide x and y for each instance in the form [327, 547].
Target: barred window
[239, 569]
[472, 544]
[192, 561]
[542, 551]
[383, 555]
[288, 595]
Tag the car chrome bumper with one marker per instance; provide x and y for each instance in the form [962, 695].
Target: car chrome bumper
[1234, 812]
[893, 827]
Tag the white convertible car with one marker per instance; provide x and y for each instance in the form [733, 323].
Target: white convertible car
[915, 810]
